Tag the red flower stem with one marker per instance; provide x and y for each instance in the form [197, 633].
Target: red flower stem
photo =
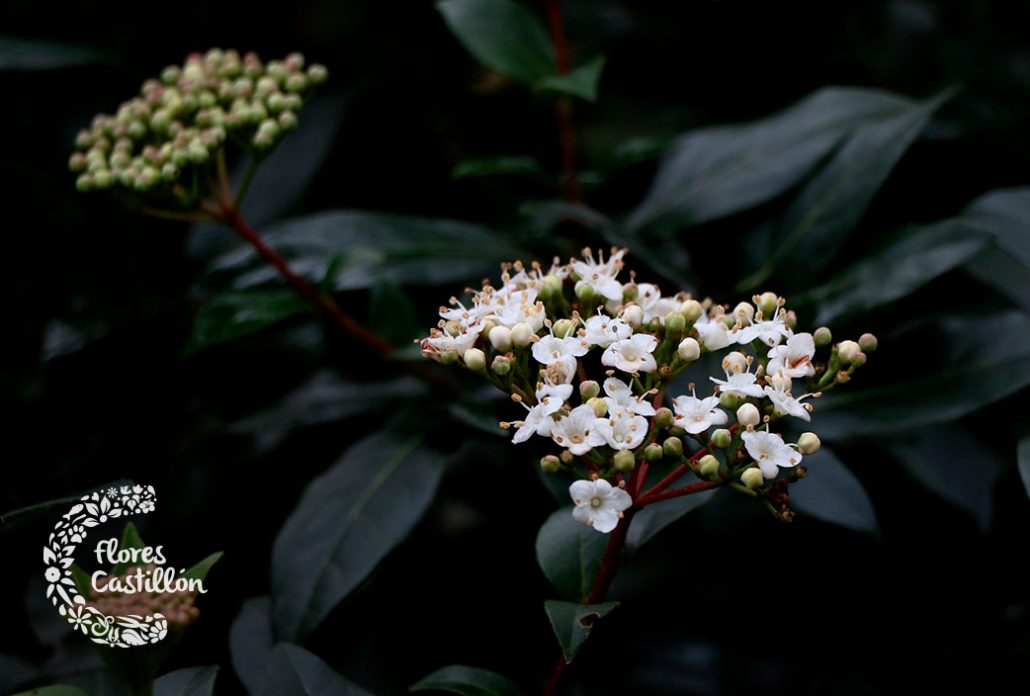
[563, 107]
[698, 487]
[644, 466]
[678, 472]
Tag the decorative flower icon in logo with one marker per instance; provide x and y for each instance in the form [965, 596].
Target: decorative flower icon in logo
[58, 555]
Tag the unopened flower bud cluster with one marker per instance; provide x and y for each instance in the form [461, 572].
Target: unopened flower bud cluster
[590, 358]
[177, 607]
[180, 120]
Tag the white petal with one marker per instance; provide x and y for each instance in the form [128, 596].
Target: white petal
[581, 490]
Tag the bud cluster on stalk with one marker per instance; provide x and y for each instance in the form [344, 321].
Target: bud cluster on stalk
[161, 140]
[592, 362]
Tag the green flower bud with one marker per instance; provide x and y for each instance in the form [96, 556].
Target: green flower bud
[294, 61]
[589, 389]
[600, 406]
[653, 452]
[552, 284]
[867, 342]
[501, 365]
[287, 120]
[169, 172]
[674, 324]
[728, 400]
[136, 129]
[77, 162]
[567, 457]
[522, 334]
[296, 83]
[452, 328]
[847, 351]
[748, 414]
[475, 359]
[563, 327]
[84, 182]
[317, 74]
[500, 338]
[103, 179]
[708, 466]
[689, 350]
[822, 337]
[691, 310]
[630, 292]
[584, 292]
[664, 417]
[752, 478]
[550, 464]
[673, 446]
[721, 438]
[809, 443]
[859, 359]
[624, 461]
[198, 154]
[768, 302]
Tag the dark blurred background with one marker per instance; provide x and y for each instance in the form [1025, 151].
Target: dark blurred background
[93, 385]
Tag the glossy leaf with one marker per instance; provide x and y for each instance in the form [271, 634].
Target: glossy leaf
[985, 354]
[503, 35]
[717, 171]
[570, 553]
[237, 314]
[325, 398]
[467, 681]
[573, 622]
[57, 690]
[953, 463]
[1023, 459]
[201, 568]
[131, 539]
[26, 55]
[345, 523]
[192, 681]
[657, 516]
[581, 82]
[913, 259]
[1006, 266]
[493, 166]
[251, 641]
[398, 248]
[295, 671]
[392, 316]
[830, 205]
[832, 493]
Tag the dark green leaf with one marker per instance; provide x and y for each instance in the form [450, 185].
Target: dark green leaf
[914, 258]
[570, 553]
[818, 221]
[656, 517]
[58, 690]
[581, 82]
[9, 520]
[238, 314]
[251, 641]
[510, 166]
[14, 672]
[1004, 273]
[392, 316]
[953, 463]
[325, 398]
[192, 681]
[1006, 267]
[1023, 457]
[201, 568]
[714, 172]
[503, 35]
[130, 540]
[293, 671]
[831, 493]
[573, 622]
[468, 681]
[398, 248]
[346, 522]
[24, 55]
[986, 354]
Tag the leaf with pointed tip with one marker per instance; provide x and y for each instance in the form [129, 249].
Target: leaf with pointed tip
[1006, 266]
[251, 641]
[832, 493]
[508, 166]
[192, 681]
[503, 35]
[200, 569]
[570, 553]
[831, 204]
[715, 172]
[391, 314]
[347, 521]
[580, 82]
[573, 622]
[294, 671]
[131, 539]
[467, 681]
[235, 315]
[657, 516]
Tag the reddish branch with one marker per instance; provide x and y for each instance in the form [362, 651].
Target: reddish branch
[563, 109]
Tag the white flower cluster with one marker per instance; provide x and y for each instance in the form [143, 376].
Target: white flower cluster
[623, 343]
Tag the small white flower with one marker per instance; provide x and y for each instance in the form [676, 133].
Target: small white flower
[598, 504]
[770, 452]
[564, 351]
[550, 399]
[778, 392]
[654, 305]
[509, 307]
[632, 354]
[620, 398]
[768, 331]
[467, 316]
[741, 383]
[713, 332]
[623, 431]
[576, 431]
[600, 275]
[440, 342]
[602, 330]
[697, 415]
[794, 358]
